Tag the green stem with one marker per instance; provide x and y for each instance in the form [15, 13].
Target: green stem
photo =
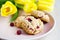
[14, 16]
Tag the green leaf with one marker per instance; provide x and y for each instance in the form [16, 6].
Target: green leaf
[14, 16]
[20, 6]
[3, 1]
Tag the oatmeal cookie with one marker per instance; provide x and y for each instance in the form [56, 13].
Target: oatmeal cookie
[42, 15]
[29, 24]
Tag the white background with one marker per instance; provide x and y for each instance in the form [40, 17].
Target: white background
[55, 34]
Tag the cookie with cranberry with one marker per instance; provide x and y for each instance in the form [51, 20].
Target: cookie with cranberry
[29, 24]
[42, 15]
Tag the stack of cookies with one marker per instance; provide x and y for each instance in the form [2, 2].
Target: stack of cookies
[33, 23]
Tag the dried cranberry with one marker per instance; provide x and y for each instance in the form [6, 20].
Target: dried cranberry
[38, 27]
[18, 32]
[31, 29]
[12, 24]
[29, 19]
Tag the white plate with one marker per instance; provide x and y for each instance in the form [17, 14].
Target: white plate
[7, 32]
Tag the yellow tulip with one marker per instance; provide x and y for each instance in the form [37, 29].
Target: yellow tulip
[19, 1]
[8, 9]
[30, 7]
[46, 5]
[23, 1]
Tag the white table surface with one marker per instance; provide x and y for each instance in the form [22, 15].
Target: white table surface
[55, 34]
